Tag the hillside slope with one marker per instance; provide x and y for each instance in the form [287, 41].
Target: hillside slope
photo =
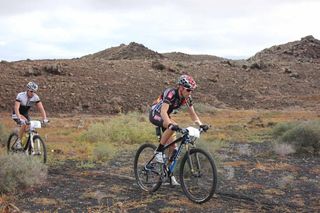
[130, 77]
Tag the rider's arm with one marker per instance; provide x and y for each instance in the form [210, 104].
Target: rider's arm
[164, 115]
[42, 111]
[194, 116]
[16, 109]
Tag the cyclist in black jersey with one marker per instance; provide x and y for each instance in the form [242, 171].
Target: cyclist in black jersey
[167, 102]
[24, 101]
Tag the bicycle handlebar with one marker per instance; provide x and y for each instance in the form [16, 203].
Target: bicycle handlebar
[186, 131]
[42, 123]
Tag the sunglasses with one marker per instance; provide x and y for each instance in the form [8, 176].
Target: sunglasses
[189, 90]
[31, 91]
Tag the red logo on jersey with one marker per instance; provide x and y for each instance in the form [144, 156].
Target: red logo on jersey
[170, 95]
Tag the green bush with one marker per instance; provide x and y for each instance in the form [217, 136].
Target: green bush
[20, 171]
[281, 128]
[205, 108]
[103, 151]
[85, 165]
[3, 135]
[303, 136]
[128, 128]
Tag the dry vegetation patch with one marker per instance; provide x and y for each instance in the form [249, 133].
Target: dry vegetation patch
[251, 175]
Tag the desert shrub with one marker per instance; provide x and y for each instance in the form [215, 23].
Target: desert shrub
[85, 165]
[128, 128]
[303, 136]
[20, 171]
[96, 132]
[103, 151]
[157, 65]
[205, 108]
[281, 128]
[3, 135]
[283, 149]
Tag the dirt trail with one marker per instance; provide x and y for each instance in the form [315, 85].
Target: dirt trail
[251, 180]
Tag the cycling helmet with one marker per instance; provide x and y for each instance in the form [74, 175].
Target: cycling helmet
[187, 82]
[32, 86]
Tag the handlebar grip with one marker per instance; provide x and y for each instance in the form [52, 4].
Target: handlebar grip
[205, 127]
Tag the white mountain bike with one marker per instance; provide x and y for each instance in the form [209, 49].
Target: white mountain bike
[34, 146]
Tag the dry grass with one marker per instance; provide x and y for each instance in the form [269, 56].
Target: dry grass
[20, 171]
[63, 133]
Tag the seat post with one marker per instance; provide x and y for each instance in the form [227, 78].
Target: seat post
[158, 132]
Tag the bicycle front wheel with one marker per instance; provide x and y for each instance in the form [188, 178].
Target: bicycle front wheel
[147, 172]
[198, 175]
[39, 149]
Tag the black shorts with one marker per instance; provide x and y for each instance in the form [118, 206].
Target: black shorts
[17, 120]
[156, 119]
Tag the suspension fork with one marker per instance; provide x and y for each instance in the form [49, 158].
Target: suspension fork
[191, 166]
[189, 158]
[30, 143]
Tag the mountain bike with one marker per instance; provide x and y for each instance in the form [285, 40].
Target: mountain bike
[34, 146]
[198, 173]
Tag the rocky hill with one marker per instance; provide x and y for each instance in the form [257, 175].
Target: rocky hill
[131, 51]
[130, 77]
[305, 50]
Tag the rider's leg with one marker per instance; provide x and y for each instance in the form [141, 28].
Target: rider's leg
[165, 138]
[22, 131]
[23, 127]
[173, 146]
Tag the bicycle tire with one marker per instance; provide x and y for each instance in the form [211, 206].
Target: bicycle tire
[11, 143]
[200, 184]
[148, 177]
[40, 148]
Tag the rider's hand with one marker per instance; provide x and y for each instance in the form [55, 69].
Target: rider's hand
[174, 127]
[22, 122]
[45, 122]
[205, 127]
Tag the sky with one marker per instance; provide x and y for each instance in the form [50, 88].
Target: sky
[234, 29]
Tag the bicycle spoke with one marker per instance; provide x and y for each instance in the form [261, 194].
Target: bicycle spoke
[11, 144]
[198, 176]
[38, 149]
[148, 173]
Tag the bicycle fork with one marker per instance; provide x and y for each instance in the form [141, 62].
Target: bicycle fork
[191, 165]
[32, 146]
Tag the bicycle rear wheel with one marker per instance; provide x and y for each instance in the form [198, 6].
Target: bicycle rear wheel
[11, 143]
[147, 173]
[39, 149]
[198, 175]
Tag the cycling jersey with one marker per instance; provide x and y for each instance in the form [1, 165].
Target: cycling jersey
[26, 103]
[171, 97]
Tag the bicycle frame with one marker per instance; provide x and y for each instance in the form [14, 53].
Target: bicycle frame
[184, 141]
[31, 131]
[30, 143]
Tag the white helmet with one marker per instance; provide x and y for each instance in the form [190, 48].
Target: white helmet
[187, 82]
[32, 86]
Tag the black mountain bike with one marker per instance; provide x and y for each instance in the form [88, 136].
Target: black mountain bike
[198, 173]
[35, 146]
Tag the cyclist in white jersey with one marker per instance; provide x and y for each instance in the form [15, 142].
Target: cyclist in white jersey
[24, 101]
